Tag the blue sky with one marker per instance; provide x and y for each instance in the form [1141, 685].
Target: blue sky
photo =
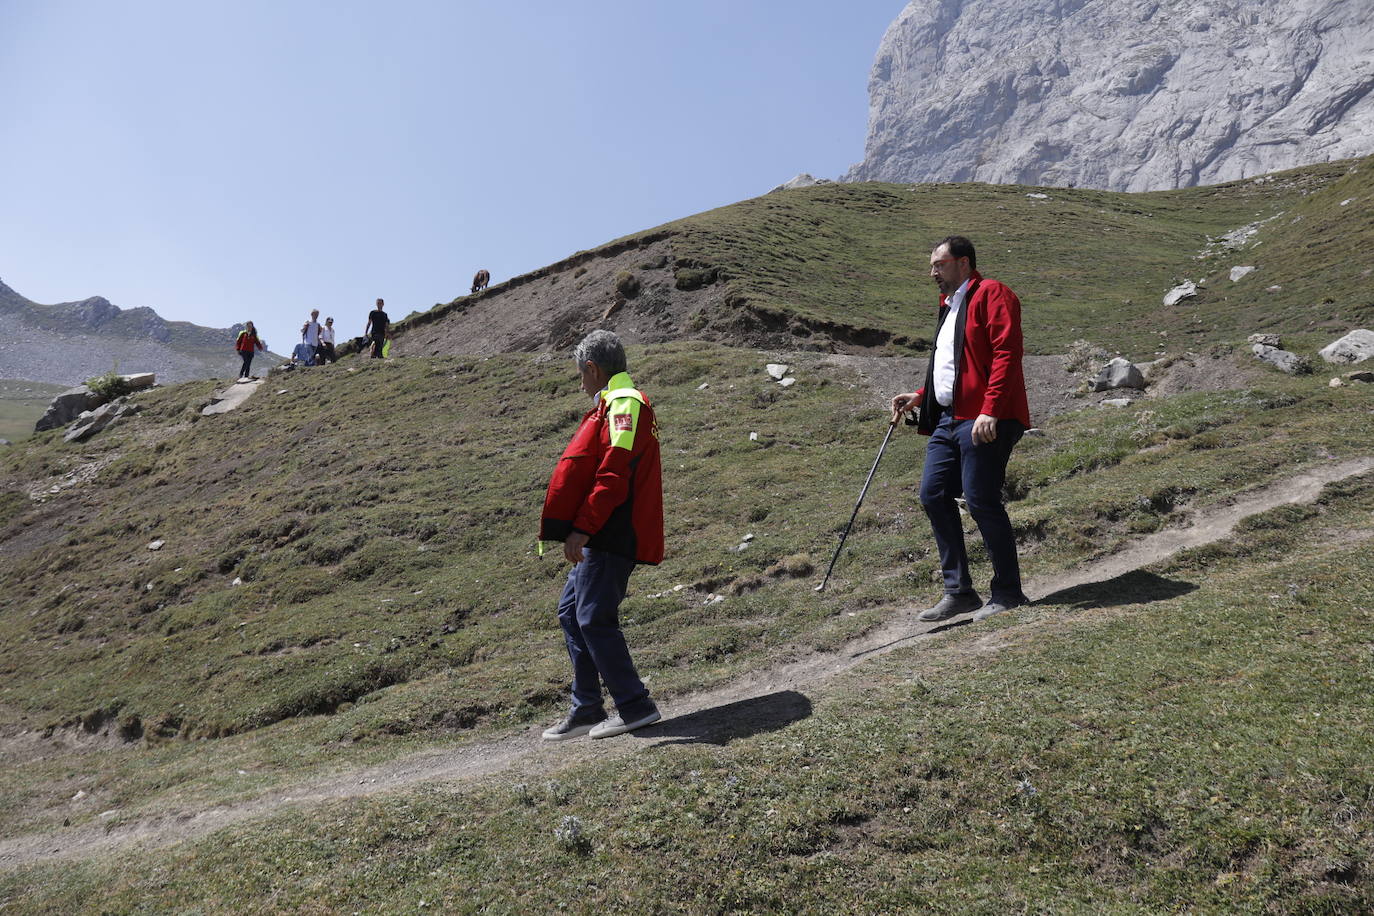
[223, 161]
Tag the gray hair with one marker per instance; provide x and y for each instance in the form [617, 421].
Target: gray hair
[603, 348]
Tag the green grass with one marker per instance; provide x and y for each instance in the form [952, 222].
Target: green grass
[21, 404]
[1208, 752]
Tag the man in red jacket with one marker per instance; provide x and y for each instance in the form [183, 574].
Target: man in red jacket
[605, 503]
[973, 407]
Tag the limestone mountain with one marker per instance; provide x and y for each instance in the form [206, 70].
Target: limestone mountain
[1118, 94]
[67, 343]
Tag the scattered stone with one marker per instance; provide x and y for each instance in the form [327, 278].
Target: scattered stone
[787, 382]
[79, 795]
[747, 537]
[4, 442]
[777, 370]
[1347, 201]
[1238, 272]
[1283, 360]
[1355, 347]
[156, 545]
[1273, 289]
[1038, 196]
[230, 398]
[92, 422]
[703, 386]
[238, 580]
[1268, 340]
[1116, 402]
[1185, 290]
[1118, 373]
[1335, 383]
[753, 437]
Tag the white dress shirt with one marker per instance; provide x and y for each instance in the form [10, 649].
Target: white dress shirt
[945, 357]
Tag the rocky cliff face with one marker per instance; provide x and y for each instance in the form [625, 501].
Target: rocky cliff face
[1122, 94]
[68, 343]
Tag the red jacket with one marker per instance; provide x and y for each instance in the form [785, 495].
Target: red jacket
[987, 337]
[247, 341]
[609, 482]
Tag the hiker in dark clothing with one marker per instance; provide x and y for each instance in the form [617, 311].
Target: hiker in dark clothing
[247, 344]
[377, 323]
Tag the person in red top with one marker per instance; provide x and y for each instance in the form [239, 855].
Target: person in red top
[973, 407]
[247, 344]
[605, 503]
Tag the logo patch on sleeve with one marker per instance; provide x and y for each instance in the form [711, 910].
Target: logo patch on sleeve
[624, 423]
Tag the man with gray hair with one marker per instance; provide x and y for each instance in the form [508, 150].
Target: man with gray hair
[605, 503]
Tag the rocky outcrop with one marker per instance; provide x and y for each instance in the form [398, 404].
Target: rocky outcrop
[72, 403]
[1128, 95]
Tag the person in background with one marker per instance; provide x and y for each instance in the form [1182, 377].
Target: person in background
[605, 503]
[327, 354]
[310, 336]
[386, 347]
[247, 345]
[377, 323]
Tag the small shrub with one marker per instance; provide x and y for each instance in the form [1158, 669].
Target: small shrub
[627, 284]
[109, 386]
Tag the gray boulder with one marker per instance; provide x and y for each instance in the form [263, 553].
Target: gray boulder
[1355, 347]
[1268, 340]
[92, 422]
[1119, 373]
[1284, 360]
[1185, 290]
[801, 181]
[1238, 272]
[67, 406]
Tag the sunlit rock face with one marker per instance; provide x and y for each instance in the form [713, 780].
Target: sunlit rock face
[1119, 94]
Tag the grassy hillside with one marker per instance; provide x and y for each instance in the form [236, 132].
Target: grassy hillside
[848, 262]
[348, 574]
[1086, 263]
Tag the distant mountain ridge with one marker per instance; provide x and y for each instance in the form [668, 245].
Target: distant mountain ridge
[69, 342]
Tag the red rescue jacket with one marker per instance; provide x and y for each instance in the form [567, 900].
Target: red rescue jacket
[609, 482]
[247, 341]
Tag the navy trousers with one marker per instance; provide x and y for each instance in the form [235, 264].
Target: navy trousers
[590, 614]
[954, 467]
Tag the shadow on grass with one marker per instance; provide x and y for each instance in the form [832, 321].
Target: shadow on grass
[720, 725]
[1135, 587]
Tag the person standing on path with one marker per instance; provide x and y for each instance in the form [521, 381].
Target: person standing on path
[605, 503]
[377, 323]
[973, 407]
[327, 354]
[310, 336]
[247, 344]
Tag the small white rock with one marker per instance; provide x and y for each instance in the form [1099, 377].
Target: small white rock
[787, 382]
[1038, 196]
[703, 386]
[79, 795]
[237, 581]
[777, 370]
[1336, 383]
[753, 437]
[156, 545]
[1116, 402]
[1238, 272]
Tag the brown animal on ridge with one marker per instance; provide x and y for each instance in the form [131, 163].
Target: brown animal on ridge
[480, 281]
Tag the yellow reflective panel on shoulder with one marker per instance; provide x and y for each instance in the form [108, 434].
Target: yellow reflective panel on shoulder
[623, 419]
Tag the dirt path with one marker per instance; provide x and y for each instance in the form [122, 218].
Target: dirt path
[766, 700]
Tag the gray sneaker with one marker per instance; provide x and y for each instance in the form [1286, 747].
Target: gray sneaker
[618, 726]
[994, 607]
[952, 606]
[572, 727]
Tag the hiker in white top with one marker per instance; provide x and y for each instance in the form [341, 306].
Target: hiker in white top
[327, 354]
[310, 334]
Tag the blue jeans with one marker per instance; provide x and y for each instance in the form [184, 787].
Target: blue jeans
[956, 466]
[589, 611]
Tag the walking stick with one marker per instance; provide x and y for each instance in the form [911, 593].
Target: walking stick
[890, 427]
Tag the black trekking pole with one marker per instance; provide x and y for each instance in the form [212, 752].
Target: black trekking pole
[890, 427]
